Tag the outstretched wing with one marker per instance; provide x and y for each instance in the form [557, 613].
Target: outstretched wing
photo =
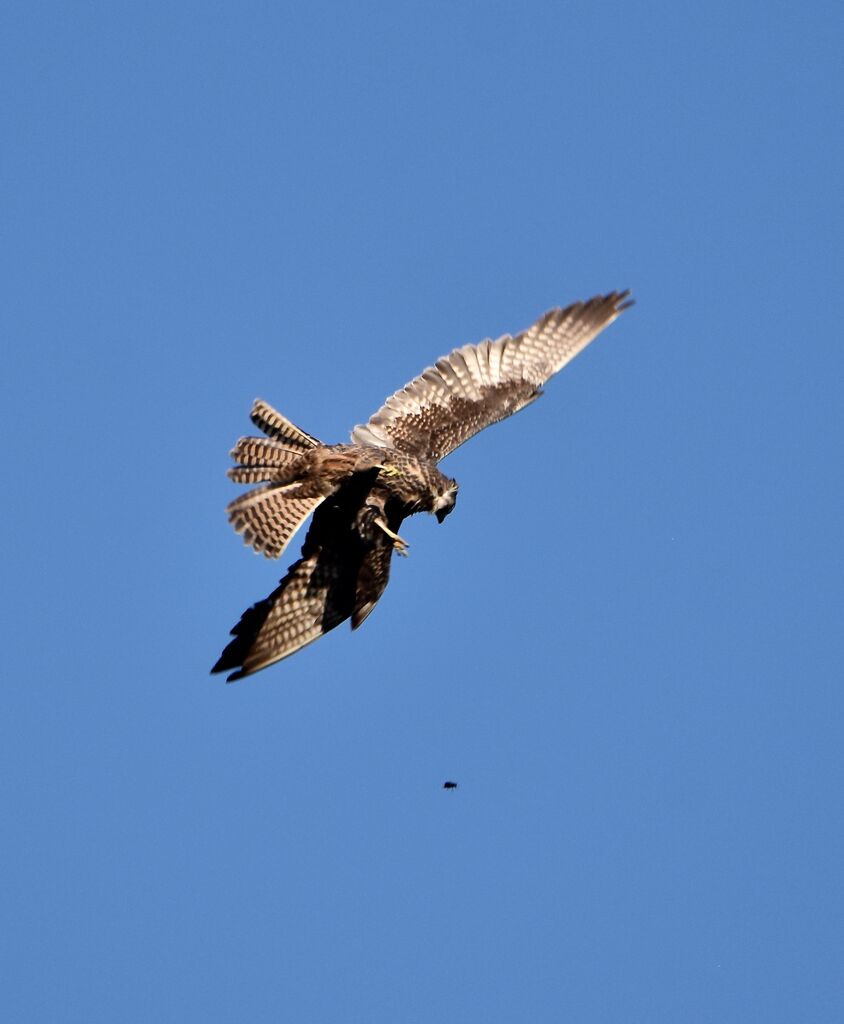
[478, 385]
[343, 571]
[315, 596]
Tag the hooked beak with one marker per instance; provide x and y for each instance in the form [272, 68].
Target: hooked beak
[444, 504]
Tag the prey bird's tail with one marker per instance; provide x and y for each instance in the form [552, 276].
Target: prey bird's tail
[269, 516]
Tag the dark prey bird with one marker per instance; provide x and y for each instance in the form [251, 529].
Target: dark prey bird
[449, 785]
[360, 493]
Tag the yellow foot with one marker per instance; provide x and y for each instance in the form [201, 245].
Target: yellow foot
[399, 543]
[389, 470]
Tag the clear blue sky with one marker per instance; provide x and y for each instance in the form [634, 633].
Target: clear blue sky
[626, 645]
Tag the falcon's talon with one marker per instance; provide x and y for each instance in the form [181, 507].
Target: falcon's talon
[399, 543]
[389, 471]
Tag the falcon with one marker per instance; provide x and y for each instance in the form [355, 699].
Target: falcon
[360, 493]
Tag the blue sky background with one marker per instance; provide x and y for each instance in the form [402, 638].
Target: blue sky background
[626, 645]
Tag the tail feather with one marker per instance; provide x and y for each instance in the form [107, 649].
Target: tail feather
[255, 474]
[261, 458]
[271, 422]
[268, 517]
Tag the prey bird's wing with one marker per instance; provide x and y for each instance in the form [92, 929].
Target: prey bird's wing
[478, 385]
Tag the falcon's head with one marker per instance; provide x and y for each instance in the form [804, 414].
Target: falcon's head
[445, 499]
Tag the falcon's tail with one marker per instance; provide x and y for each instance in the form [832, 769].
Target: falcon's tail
[269, 516]
[270, 422]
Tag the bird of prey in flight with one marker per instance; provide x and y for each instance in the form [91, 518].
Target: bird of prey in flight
[360, 493]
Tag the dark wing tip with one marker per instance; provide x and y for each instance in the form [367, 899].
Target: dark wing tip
[233, 657]
[617, 299]
[225, 662]
[600, 308]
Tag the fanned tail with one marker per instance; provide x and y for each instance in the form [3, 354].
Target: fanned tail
[261, 458]
[269, 516]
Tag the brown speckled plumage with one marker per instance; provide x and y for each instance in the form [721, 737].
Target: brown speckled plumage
[360, 493]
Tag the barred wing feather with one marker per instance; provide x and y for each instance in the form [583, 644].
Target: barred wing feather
[478, 385]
